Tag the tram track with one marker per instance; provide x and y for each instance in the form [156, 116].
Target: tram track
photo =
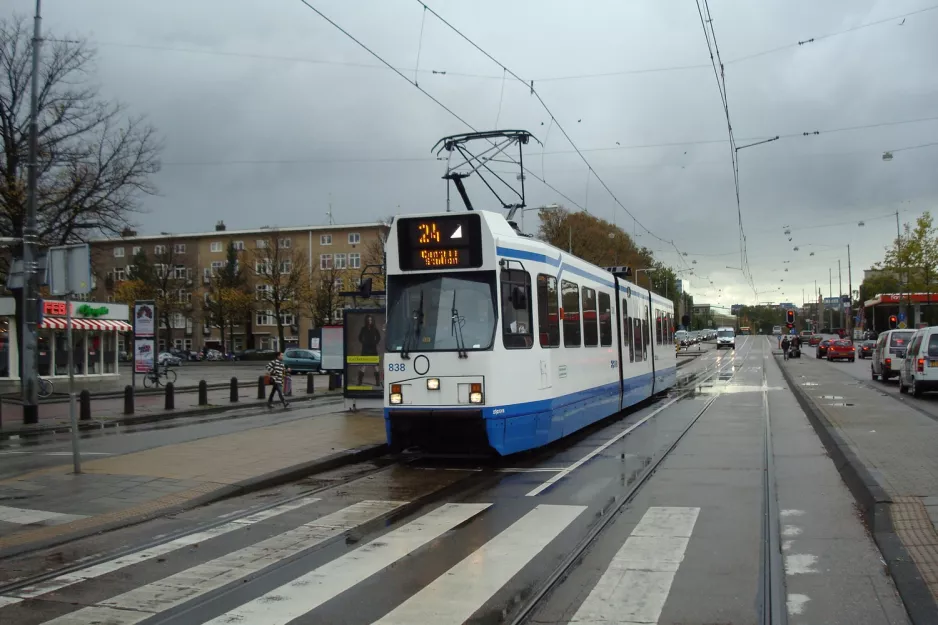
[774, 597]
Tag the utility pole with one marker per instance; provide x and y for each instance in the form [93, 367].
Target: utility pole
[840, 289]
[850, 293]
[818, 309]
[899, 258]
[830, 293]
[30, 251]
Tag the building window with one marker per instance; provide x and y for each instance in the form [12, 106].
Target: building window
[179, 248]
[339, 261]
[265, 318]
[288, 319]
[118, 252]
[325, 261]
[137, 249]
[261, 244]
[160, 270]
[239, 246]
[354, 260]
[263, 267]
[354, 238]
[262, 291]
[183, 296]
[284, 244]
[180, 272]
[325, 239]
[159, 249]
[217, 266]
[119, 275]
[217, 246]
[286, 267]
[178, 321]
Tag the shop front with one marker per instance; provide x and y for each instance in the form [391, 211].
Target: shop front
[98, 335]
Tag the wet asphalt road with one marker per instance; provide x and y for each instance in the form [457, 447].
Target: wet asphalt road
[459, 541]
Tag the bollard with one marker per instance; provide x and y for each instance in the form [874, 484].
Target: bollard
[234, 389]
[170, 397]
[331, 381]
[84, 405]
[260, 386]
[128, 399]
[203, 393]
[309, 384]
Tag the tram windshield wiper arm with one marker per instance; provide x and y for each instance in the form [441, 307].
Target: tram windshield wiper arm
[413, 328]
[456, 330]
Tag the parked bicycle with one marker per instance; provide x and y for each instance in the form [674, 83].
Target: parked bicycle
[159, 375]
[46, 387]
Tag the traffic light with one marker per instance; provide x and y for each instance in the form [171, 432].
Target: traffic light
[790, 317]
[893, 322]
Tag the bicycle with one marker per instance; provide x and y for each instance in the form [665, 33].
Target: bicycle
[154, 376]
[46, 388]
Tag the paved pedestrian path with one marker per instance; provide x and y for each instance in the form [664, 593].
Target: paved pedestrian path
[894, 443]
[52, 414]
[53, 504]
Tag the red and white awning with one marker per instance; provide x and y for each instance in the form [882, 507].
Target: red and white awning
[58, 323]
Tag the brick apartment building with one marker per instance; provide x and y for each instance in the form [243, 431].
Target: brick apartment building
[337, 251]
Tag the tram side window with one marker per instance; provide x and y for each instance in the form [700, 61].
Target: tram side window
[605, 320]
[590, 331]
[669, 319]
[627, 329]
[658, 326]
[646, 332]
[570, 302]
[548, 311]
[516, 309]
[637, 338]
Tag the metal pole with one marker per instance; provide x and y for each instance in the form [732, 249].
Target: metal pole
[898, 258]
[840, 289]
[30, 252]
[830, 293]
[850, 293]
[72, 415]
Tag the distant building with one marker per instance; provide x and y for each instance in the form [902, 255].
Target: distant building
[340, 250]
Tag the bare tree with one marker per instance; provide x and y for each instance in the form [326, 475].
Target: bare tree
[281, 277]
[94, 161]
[374, 253]
[228, 302]
[322, 296]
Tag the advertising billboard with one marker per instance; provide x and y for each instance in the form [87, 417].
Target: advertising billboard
[144, 319]
[144, 355]
[365, 330]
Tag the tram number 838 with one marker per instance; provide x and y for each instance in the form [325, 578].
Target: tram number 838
[397, 366]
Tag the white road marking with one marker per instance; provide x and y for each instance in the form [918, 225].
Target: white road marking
[145, 601]
[800, 563]
[635, 586]
[576, 465]
[791, 530]
[25, 516]
[109, 566]
[453, 597]
[307, 592]
[53, 453]
[796, 603]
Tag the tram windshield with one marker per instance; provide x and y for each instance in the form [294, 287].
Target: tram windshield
[420, 311]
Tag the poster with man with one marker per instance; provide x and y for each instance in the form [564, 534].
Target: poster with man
[365, 330]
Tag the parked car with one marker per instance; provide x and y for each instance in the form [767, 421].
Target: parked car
[919, 372]
[302, 360]
[167, 359]
[889, 354]
[865, 349]
[840, 350]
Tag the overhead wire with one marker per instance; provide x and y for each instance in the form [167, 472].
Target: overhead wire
[534, 92]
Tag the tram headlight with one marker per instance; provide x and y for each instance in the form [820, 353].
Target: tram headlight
[396, 396]
[475, 393]
[433, 384]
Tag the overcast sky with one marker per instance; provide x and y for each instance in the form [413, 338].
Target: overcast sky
[271, 82]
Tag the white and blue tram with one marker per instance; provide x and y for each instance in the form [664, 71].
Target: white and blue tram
[497, 341]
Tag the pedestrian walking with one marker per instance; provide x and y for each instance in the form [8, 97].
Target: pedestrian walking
[277, 371]
[785, 345]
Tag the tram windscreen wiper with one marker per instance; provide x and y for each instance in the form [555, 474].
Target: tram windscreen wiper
[456, 330]
[413, 328]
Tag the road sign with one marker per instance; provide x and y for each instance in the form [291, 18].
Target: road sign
[902, 316]
[69, 269]
[902, 326]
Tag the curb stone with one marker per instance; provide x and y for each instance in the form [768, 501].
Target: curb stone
[18, 544]
[874, 503]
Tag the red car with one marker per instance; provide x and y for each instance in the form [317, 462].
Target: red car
[815, 339]
[841, 349]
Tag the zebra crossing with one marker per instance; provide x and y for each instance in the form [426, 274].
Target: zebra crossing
[636, 582]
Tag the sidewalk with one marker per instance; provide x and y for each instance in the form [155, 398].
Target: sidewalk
[110, 411]
[887, 453]
[53, 505]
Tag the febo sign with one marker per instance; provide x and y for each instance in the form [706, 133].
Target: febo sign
[54, 308]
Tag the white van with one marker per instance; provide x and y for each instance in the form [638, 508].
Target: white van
[919, 372]
[726, 337]
[889, 354]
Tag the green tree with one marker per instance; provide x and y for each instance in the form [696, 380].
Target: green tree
[228, 302]
[282, 277]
